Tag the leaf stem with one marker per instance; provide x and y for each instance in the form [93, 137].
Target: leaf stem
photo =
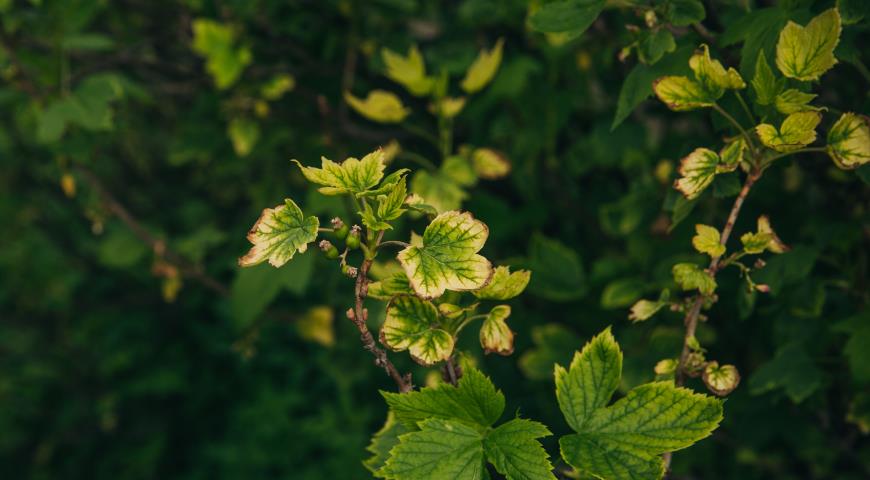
[745, 107]
[737, 125]
[770, 160]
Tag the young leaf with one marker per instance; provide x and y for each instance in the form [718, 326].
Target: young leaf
[697, 171]
[389, 208]
[447, 107]
[712, 75]
[645, 309]
[448, 259]
[408, 71]
[573, 16]
[515, 452]
[352, 176]
[763, 239]
[504, 284]
[731, 156]
[412, 324]
[721, 380]
[708, 85]
[797, 130]
[379, 106]
[474, 400]
[495, 335]
[279, 233]
[849, 141]
[805, 53]
[793, 100]
[707, 241]
[483, 69]
[590, 381]
[691, 277]
[441, 449]
[775, 245]
[764, 83]
[489, 164]
[458, 169]
[682, 93]
[225, 60]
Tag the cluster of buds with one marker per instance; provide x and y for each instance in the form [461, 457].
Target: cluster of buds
[351, 238]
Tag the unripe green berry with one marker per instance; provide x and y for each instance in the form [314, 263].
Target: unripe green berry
[349, 271]
[339, 228]
[328, 249]
[352, 239]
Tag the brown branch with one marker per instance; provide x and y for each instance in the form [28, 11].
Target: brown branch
[158, 245]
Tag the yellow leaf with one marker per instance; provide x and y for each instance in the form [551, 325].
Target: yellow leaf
[380, 106]
[483, 69]
[849, 141]
[797, 130]
[408, 71]
[805, 53]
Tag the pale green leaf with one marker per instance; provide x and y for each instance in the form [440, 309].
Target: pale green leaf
[225, 60]
[396, 284]
[849, 141]
[408, 71]
[590, 380]
[352, 176]
[489, 164]
[707, 240]
[731, 156]
[458, 169]
[645, 309]
[244, 133]
[697, 171]
[495, 335]
[383, 441]
[721, 380]
[483, 69]
[797, 130]
[447, 107]
[379, 106]
[515, 452]
[712, 76]
[755, 243]
[316, 325]
[764, 82]
[805, 53]
[279, 233]
[438, 191]
[277, 86]
[442, 449]
[474, 400]
[504, 284]
[448, 258]
[389, 208]
[710, 81]
[418, 204]
[412, 324]
[793, 100]
[692, 277]
[682, 93]
[775, 245]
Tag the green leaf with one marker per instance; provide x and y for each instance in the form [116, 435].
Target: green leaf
[645, 309]
[448, 259]
[553, 344]
[697, 171]
[438, 191]
[277, 86]
[573, 16]
[474, 400]
[413, 324]
[590, 380]
[853, 11]
[489, 164]
[87, 42]
[396, 284]
[379, 106]
[606, 459]
[797, 131]
[707, 240]
[655, 44]
[389, 208]
[805, 53]
[638, 85]
[755, 243]
[316, 325]
[225, 61]
[855, 350]
[682, 93]
[458, 169]
[495, 335]
[351, 176]
[408, 71]
[253, 289]
[244, 134]
[731, 156]
[849, 141]
[504, 284]
[764, 82]
[708, 85]
[383, 441]
[278, 234]
[691, 277]
[515, 452]
[559, 273]
[622, 293]
[441, 449]
[790, 369]
[684, 12]
[793, 100]
[481, 72]
[712, 76]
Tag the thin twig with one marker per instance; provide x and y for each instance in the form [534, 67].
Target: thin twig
[736, 124]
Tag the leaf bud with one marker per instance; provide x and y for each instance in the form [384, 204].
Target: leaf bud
[328, 249]
[352, 239]
[763, 288]
[339, 228]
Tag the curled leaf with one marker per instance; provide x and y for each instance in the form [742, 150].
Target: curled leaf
[504, 284]
[721, 380]
[279, 233]
[697, 171]
[849, 141]
[495, 336]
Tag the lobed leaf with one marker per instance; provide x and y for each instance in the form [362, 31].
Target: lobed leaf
[352, 176]
[504, 284]
[413, 324]
[707, 240]
[481, 72]
[441, 449]
[691, 277]
[697, 171]
[805, 53]
[793, 100]
[797, 131]
[515, 452]
[590, 380]
[408, 71]
[495, 336]
[849, 141]
[278, 234]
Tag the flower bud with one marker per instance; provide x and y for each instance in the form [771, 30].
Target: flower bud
[352, 239]
[763, 288]
[349, 271]
[339, 228]
[328, 249]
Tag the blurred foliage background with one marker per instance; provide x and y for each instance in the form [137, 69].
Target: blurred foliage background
[140, 139]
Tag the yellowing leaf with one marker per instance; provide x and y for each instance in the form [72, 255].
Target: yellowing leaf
[448, 107]
[409, 71]
[721, 380]
[483, 69]
[504, 284]
[277, 86]
[805, 53]
[775, 245]
[697, 171]
[708, 241]
[691, 277]
[682, 93]
[489, 164]
[380, 106]
[712, 75]
[225, 61]
[495, 336]
[448, 259]
[763, 239]
[389, 208]
[244, 134]
[793, 100]
[764, 83]
[352, 176]
[849, 141]
[279, 233]
[645, 309]
[708, 85]
[316, 326]
[412, 324]
[731, 156]
[439, 191]
[797, 130]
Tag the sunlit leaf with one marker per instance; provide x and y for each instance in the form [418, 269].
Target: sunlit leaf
[379, 106]
[645, 309]
[764, 83]
[797, 131]
[489, 164]
[225, 59]
[805, 53]
[793, 100]
[707, 240]
[691, 277]
[849, 141]
[279, 233]
[244, 134]
[412, 324]
[483, 69]
[696, 172]
[351, 176]
[409, 70]
[495, 335]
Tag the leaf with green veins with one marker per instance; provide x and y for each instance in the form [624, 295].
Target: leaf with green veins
[483, 69]
[440, 192]
[413, 324]
[697, 171]
[797, 131]
[440, 449]
[805, 53]
[755, 243]
[489, 164]
[409, 71]
[515, 452]
[731, 156]
[764, 83]
[707, 240]
[389, 208]
[793, 100]
[712, 76]
[504, 284]
[380, 106]
[682, 93]
[710, 81]
[849, 141]
[474, 400]
[495, 335]
[721, 380]
[351, 176]
[383, 441]
[606, 459]
[388, 184]
[645, 309]
[692, 277]
[590, 380]
[278, 234]
[448, 258]
[386, 289]
[571, 16]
